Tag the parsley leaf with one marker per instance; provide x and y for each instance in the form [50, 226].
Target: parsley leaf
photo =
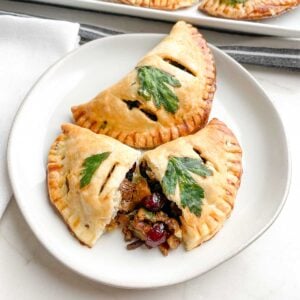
[191, 195]
[178, 171]
[234, 2]
[90, 165]
[169, 181]
[195, 166]
[155, 85]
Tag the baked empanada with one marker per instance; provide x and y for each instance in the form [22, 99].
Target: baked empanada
[85, 171]
[247, 9]
[168, 95]
[200, 173]
[160, 4]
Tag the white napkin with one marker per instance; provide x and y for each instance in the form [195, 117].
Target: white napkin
[28, 47]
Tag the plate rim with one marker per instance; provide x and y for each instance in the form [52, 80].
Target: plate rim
[118, 283]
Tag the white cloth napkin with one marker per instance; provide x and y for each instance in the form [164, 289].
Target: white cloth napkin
[28, 47]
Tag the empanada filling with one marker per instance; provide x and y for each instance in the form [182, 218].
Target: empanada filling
[146, 216]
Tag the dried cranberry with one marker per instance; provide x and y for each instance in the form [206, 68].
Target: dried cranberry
[156, 236]
[153, 202]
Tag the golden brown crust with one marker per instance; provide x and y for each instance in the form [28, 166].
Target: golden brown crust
[219, 148]
[160, 4]
[250, 10]
[86, 210]
[108, 114]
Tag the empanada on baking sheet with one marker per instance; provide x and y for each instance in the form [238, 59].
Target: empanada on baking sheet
[201, 173]
[160, 4]
[168, 95]
[247, 9]
[85, 171]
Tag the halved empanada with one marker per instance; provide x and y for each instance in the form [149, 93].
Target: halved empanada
[167, 95]
[160, 4]
[85, 171]
[247, 9]
[201, 174]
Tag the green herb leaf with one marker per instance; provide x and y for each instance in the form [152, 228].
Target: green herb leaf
[146, 214]
[169, 180]
[90, 165]
[195, 166]
[178, 171]
[155, 85]
[234, 2]
[191, 195]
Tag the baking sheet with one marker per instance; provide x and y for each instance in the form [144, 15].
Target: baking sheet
[285, 25]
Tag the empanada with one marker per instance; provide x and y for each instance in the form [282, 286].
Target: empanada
[160, 4]
[168, 95]
[85, 171]
[247, 9]
[201, 173]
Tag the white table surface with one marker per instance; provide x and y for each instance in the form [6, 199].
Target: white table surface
[268, 269]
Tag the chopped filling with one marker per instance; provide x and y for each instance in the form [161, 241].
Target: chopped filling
[146, 216]
[132, 193]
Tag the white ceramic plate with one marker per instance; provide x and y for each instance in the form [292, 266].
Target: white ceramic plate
[285, 25]
[239, 101]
